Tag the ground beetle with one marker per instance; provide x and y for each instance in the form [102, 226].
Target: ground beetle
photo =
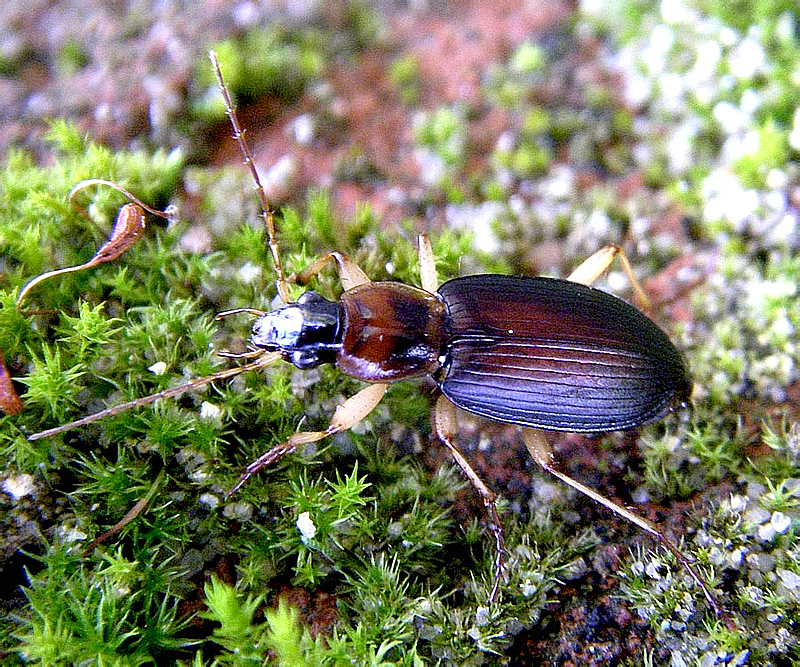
[541, 353]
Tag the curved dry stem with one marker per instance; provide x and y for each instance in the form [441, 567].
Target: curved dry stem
[88, 182]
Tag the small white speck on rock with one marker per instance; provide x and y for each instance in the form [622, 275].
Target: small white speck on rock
[158, 368]
[654, 570]
[19, 486]
[788, 578]
[71, 534]
[241, 511]
[640, 496]
[737, 503]
[676, 659]
[278, 179]
[305, 525]
[210, 500]
[757, 515]
[780, 522]
[766, 532]
[575, 570]
[304, 128]
[209, 411]
[196, 240]
[249, 273]
[736, 557]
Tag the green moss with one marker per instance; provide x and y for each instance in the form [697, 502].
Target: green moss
[528, 58]
[270, 61]
[743, 14]
[772, 152]
[443, 132]
[53, 386]
[39, 227]
[107, 614]
[72, 57]
[526, 160]
[405, 74]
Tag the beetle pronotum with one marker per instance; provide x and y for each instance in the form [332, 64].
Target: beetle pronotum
[541, 353]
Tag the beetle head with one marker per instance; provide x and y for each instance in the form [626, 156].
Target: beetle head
[307, 332]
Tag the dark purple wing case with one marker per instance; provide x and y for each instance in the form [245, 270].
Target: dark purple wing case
[556, 355]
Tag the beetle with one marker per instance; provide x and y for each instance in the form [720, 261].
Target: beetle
[539, 353]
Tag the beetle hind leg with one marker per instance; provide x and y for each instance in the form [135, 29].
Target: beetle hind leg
[543, 455]
[444, 427]
[427, 265]
[350, 274]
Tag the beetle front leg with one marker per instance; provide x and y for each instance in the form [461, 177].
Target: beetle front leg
[593, 267]
[347, 415]
[350, 274]
[444, 427]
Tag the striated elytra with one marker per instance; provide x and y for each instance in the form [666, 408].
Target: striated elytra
[556, 355]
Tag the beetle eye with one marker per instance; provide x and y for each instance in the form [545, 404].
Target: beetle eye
[303, 359]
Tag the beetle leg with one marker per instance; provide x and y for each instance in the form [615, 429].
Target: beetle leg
[593, 267]
[444, 426]
[349, 272]
[349, 413]
[540, 451]
[427, 265]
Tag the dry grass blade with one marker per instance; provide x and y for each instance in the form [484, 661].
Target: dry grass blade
[127, 230]
[131, 514]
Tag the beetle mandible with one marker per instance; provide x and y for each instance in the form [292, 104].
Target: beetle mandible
[540, 353]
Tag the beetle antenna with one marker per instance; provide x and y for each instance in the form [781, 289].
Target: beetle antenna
[264, 360]
[266, 209]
